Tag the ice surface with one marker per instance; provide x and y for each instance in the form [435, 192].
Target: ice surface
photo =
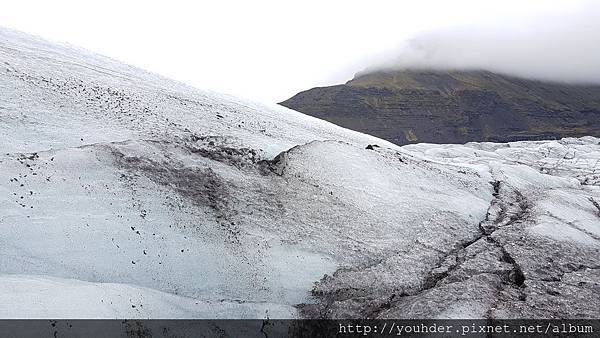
[37, 296]
[125, 194]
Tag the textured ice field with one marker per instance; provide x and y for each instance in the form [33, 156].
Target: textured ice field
[127, 195]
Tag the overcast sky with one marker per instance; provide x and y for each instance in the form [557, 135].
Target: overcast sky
[270, 50]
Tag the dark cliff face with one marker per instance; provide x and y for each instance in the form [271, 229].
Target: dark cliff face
[455, 107]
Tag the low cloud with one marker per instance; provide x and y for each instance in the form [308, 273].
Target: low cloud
[559, 46]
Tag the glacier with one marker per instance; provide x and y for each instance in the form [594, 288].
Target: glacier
[124, 194]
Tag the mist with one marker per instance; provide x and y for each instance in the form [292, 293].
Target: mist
[561, 45]
[269, 50]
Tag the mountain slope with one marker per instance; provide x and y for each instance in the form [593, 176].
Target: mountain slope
[454, 107]
[148, 198]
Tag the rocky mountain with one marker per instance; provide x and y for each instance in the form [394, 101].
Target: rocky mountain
[412, 106]
[127, 195]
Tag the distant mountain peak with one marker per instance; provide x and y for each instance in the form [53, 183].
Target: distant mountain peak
[454, 106]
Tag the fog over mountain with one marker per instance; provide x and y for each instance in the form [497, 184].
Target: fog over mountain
[264, 51]
[561, 44]
[504, 73]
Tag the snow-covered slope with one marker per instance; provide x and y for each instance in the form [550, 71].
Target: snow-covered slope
[138, 196]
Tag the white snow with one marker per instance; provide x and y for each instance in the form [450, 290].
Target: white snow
[34, 297]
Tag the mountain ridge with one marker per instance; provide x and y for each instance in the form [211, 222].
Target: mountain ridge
[436, 106]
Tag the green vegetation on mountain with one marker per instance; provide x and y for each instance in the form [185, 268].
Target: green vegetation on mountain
[412, 106]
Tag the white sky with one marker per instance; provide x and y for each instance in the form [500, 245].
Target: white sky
[264, 50]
